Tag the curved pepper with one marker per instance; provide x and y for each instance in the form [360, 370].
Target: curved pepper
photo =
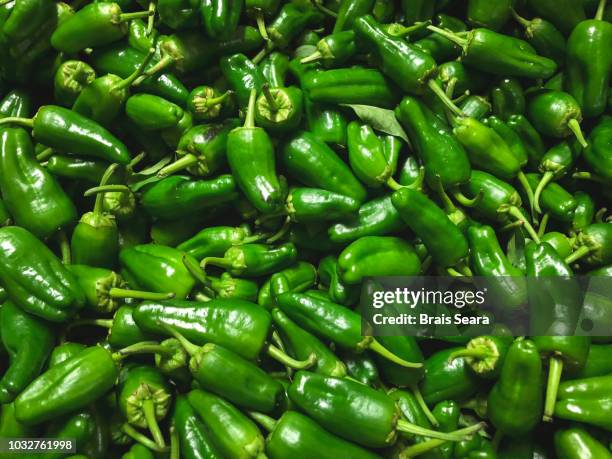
[33, 197]
[576, 443]
[508, 98]
[195, 439]
[28, 341]
[329, 276]
[70, 79]
[300, 276]
[485, 355]
[80, 169]
[220, 17]
[597, 154]
[334, 50]
[483, 13]
[544, 37]
[595, 243]
[35, 279]
[242, 76]
[377, 256]
[253, 260]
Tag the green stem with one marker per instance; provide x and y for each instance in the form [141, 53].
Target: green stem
[601, 7]
[151, 19]
[135, 161]
[600, 215]
[511, 226]
[521, 20]
[140, 438]
[577, 254]
[405, 426]
[261, 24]
[44, 155]
[269, 97]
[281, 232]
[312, 58]
[478, 352]
[421, 402]
[25, 122]
[454, 273]
[249, 119]
[144, 347]
[423, 447]
[5, 2]
[581, 175]
[264, 52]
[187, 345]
[555, 369]
[195, 270]
[215, 261]
[201, 103]
[545, 180]
[278, 355]
[516, 213]
[574, 126]
[148, 408]
[115, 292]
[465, 201]
[180, 164]
[127, 82]
[543, 224]
[106, 323]
[319, 5]
[393, 184]
[106, 189]
[375, 346]
[124, 17]
[264, 420]
[110, 170]
[522, 178]
[175, 446]
[455, 38]
[165, 62]
[438, 91]
[64, 247]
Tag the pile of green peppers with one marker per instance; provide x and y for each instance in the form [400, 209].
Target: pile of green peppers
[192, 193]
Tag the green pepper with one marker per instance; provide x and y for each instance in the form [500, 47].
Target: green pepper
[229, 287]
[33, 197]
[529, 136]
[289, 23]
[440, 48]
[560, 242]
[63, 352]
[237, 325]
[317, 205]
[104, 289]
[377, 256]
[565, 14]
[123, 61]
[206, 103]
[409, 67]
[544, 37]
[65, 130]
[253, 260]
[577, 443]
[353, 410]
[476, 107]
[333, 322]
[499, 54]
[195, 439]
[139, 35]
[243, 76]
[447, 379]
[220, 17]
[492, 15]
[329, 276]
[144, 397]
[250, 154]
[274, 69]
[349, 11]
[361, 367]
[232, 432]
[157, 268]
[593, 411]
[11, 427]
[216, 240]
[178, 196]
[300, 277]
[79, 169]
[93, 25]
[35, 279]
[597, 364]
[152, 113]
[508, 98]
[485, 355]
[334, 50]
[138, 451]
[296, 435]
[588, 68]
[442, 155]
[515, 402]
[377, 217]
[70, 79]
[488, 259]
[179, 14]
[355, 85]
[78, 427]
[316, 165]
[28, 341]
[554, 199]
[597, 154]
[510, 138]
[594, 243]
[444, 241]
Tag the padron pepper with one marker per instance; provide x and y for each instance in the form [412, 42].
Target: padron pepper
[220, 17]
[544, 37]
[597, 154]
[338, 290]
[299, 276]
[35, 279]
[195, 440]
[206, 103]
[242, 76]
[70, 79]
[334, 50]
[577, 443]
[508, 98]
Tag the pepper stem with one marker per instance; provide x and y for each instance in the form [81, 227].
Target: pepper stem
[148, 409]
[455, 38]
[45, 154]
[394, 185]
[555, 369]
[64, 247]
[543, 224]
[180, 164]
[421, 402]
[265, 421]
[420, 448]
[438, 91]
[312, 58]
[261, 24]
[601, 7]
[400, 30]
[545, 180]
[465, 201]
[151, 19]
[187, 345]
[124, 17]
[106, 323]
[127, 82]
[249, 119]
[195, 270]
[115, 292]
[108, 173]
[516, 213]
[522, 178]
[319, 5]
[281, 357]
[215, 261]
[408, 427]
[140, 438]
[175, 445]
[478, 352]
[600, 215]
[25, 122]
[143, 347]
[270, 97]
[201, 103]
[586, 176]
[281, 232]
[521, 20]
[574, 126]
[264, 52]
[106, 189]
[163, 63]
[577, 254]
[375, 346]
